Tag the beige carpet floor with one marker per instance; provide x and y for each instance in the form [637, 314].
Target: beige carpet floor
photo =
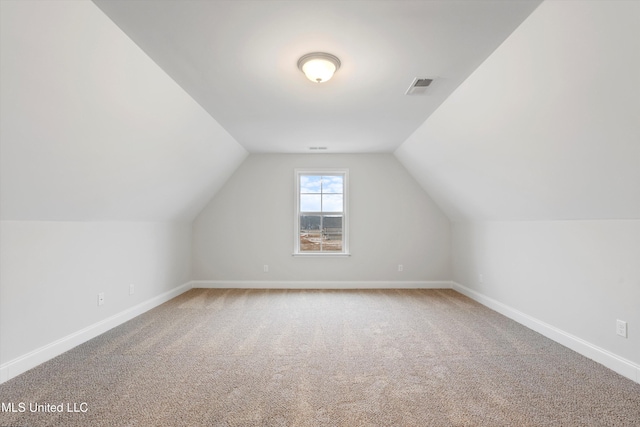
[322, 358]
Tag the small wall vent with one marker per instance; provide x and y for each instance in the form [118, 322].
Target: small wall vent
[418, 86]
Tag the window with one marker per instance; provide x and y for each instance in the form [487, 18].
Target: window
[321, 212]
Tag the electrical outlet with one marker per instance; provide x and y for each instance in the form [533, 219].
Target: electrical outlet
[481, 278]
[265, 268]
[400, 267]
[101, 298]
[132, 289]
[621, 328]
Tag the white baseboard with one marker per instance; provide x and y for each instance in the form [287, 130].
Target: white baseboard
[27, 361]
[40, 355]
[320, 284]
[612, 361]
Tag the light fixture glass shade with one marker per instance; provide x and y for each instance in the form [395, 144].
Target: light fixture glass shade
[319, 66]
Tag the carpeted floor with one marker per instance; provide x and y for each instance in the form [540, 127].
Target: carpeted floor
[322, 358]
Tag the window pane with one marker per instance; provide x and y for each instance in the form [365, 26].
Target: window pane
[322, 204]
[310, 233]
[332, 233]
[332, 184]
[310, 203]
[332, 203]
[309, 222]
[310, 183]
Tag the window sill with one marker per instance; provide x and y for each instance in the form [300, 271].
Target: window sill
[322, 254]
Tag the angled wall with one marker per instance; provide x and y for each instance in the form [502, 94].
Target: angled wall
[105, 161]
[250, 223]
[92, 129]
[536, 158]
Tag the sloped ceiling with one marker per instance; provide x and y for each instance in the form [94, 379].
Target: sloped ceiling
[547, 128]
[238, 59]
[92, 129]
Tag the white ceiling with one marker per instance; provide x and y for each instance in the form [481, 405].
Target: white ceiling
[237, 59]
[547, 128]
[92, 129]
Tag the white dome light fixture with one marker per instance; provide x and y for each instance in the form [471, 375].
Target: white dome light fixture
[319, 66]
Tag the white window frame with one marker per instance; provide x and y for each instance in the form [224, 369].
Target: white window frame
[345, 212]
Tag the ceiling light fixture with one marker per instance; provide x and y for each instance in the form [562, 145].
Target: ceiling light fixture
[319, 66]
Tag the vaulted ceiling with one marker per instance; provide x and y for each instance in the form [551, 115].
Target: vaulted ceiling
[92, 129]
[547, 128]
[238, 59]
[143, 113]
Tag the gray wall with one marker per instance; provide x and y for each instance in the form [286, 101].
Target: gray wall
[579, 276]
[52, 273]
[250, 223]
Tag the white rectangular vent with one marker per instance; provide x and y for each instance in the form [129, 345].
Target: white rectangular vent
[418, 86]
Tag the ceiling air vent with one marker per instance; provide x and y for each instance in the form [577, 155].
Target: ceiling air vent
[418, 86]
